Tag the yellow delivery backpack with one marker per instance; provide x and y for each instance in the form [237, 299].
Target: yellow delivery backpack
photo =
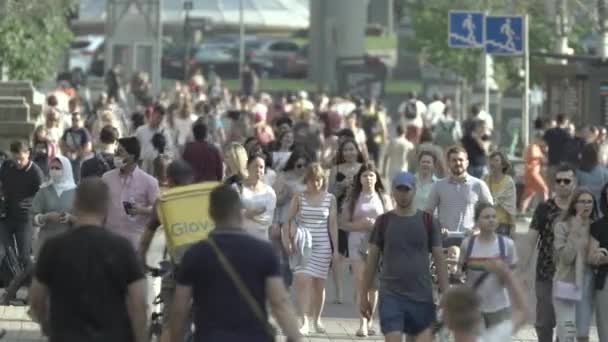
[184, 213]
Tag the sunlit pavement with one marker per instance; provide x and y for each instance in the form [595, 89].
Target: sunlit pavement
[340, 320]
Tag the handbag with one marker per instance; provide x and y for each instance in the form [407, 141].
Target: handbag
[567, 291]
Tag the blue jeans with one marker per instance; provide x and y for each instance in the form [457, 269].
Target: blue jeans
[585, 307]
[400, 314]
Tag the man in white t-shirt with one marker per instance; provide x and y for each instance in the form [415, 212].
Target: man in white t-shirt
[463, 316]
[434, 111]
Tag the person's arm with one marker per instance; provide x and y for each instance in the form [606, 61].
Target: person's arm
[519, 309]
[38, 300]
[386, 158]
[594, 255]
[289, 227]
[137, 309]
[182, 303]
[281, 307]
[148, 235]
[432, 201]
[485, 196]
[439, 256]
[564, 243]
[333, 224]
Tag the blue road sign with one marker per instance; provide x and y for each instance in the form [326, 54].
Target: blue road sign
[465, 29]
[504, 35]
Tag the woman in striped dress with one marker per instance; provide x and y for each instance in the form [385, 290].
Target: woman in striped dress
[315, 211]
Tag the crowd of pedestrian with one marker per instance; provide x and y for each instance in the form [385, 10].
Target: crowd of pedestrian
[313, 188]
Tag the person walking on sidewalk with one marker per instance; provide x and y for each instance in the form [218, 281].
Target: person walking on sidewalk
[402, 239]
[231, 269]
[541, 236]
[88, 283]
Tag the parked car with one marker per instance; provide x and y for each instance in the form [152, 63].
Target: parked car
[223, 61]
[82, 52]
[173, 61]
[297, 65]
[273, 54]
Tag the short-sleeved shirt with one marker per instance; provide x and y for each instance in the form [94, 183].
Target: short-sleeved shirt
[220, 311]
[543, 221]
[556, 138]
[19, 186]
[455, 201]
[494, 296]
[87, 271]
[404, 243]
[76, 138]
[477, 155]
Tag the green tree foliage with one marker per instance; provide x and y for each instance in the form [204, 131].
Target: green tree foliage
[429, 20]
[33, 36]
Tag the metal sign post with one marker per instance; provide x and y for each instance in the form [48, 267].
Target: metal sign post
[525, 125]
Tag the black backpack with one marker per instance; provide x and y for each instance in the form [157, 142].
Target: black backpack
[411, 110]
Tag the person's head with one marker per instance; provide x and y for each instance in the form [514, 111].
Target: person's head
[92, 199]
[582, 204]
[478, 128]
[40, 134]
[76, 120]
[367, 180]
[51, 101]
[20, 154]
[315, 178]
[404, 189]
[74, 105]
[286, 139]
[499, 164]
[159, 142]
[485, 217]
[60, 170]
[137, 119]
[284, 124]
[108, 135]
[589, 157]
[462, 310]
[179, 173]
[251, 144]
[156, 115]
[53, 117]
[458, 160]
[345, 134]
[351, 119]
[199, 130]
[235, 158]
[426, 161]
[348, 152]
[475, 110]
[225, 207]
[127, 153]
[565, 181]
[562, 120]
[298, 161]
[256, 166]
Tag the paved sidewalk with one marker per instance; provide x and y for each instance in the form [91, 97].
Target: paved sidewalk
[341, 321]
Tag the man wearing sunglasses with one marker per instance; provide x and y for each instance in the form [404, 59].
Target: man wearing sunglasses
[541, 236]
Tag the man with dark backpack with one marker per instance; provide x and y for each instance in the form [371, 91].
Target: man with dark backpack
[403, 239]
[103, 159]
[447, 131]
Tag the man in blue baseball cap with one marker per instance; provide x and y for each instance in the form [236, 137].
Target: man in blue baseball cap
[406, 303]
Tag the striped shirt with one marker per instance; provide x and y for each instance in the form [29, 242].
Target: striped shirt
[455, 202]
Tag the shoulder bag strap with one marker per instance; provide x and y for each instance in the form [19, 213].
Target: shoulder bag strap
[242, 288]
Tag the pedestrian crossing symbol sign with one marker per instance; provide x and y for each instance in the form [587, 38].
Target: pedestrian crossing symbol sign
[504, 35]
[465, 29]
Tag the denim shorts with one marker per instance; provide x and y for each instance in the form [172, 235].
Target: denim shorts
[401, 314]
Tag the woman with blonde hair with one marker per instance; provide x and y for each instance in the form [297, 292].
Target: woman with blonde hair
[235, 158]
[313, 237]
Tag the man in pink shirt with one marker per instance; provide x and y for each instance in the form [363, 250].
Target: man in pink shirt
[132, 191]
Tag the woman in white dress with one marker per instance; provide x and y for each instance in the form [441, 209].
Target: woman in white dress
[315, 211]
[258, 198]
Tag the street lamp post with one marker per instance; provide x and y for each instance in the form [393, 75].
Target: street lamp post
[241, 39]
[188, 6]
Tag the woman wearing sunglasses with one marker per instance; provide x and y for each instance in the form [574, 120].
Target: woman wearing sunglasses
[572, 280]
